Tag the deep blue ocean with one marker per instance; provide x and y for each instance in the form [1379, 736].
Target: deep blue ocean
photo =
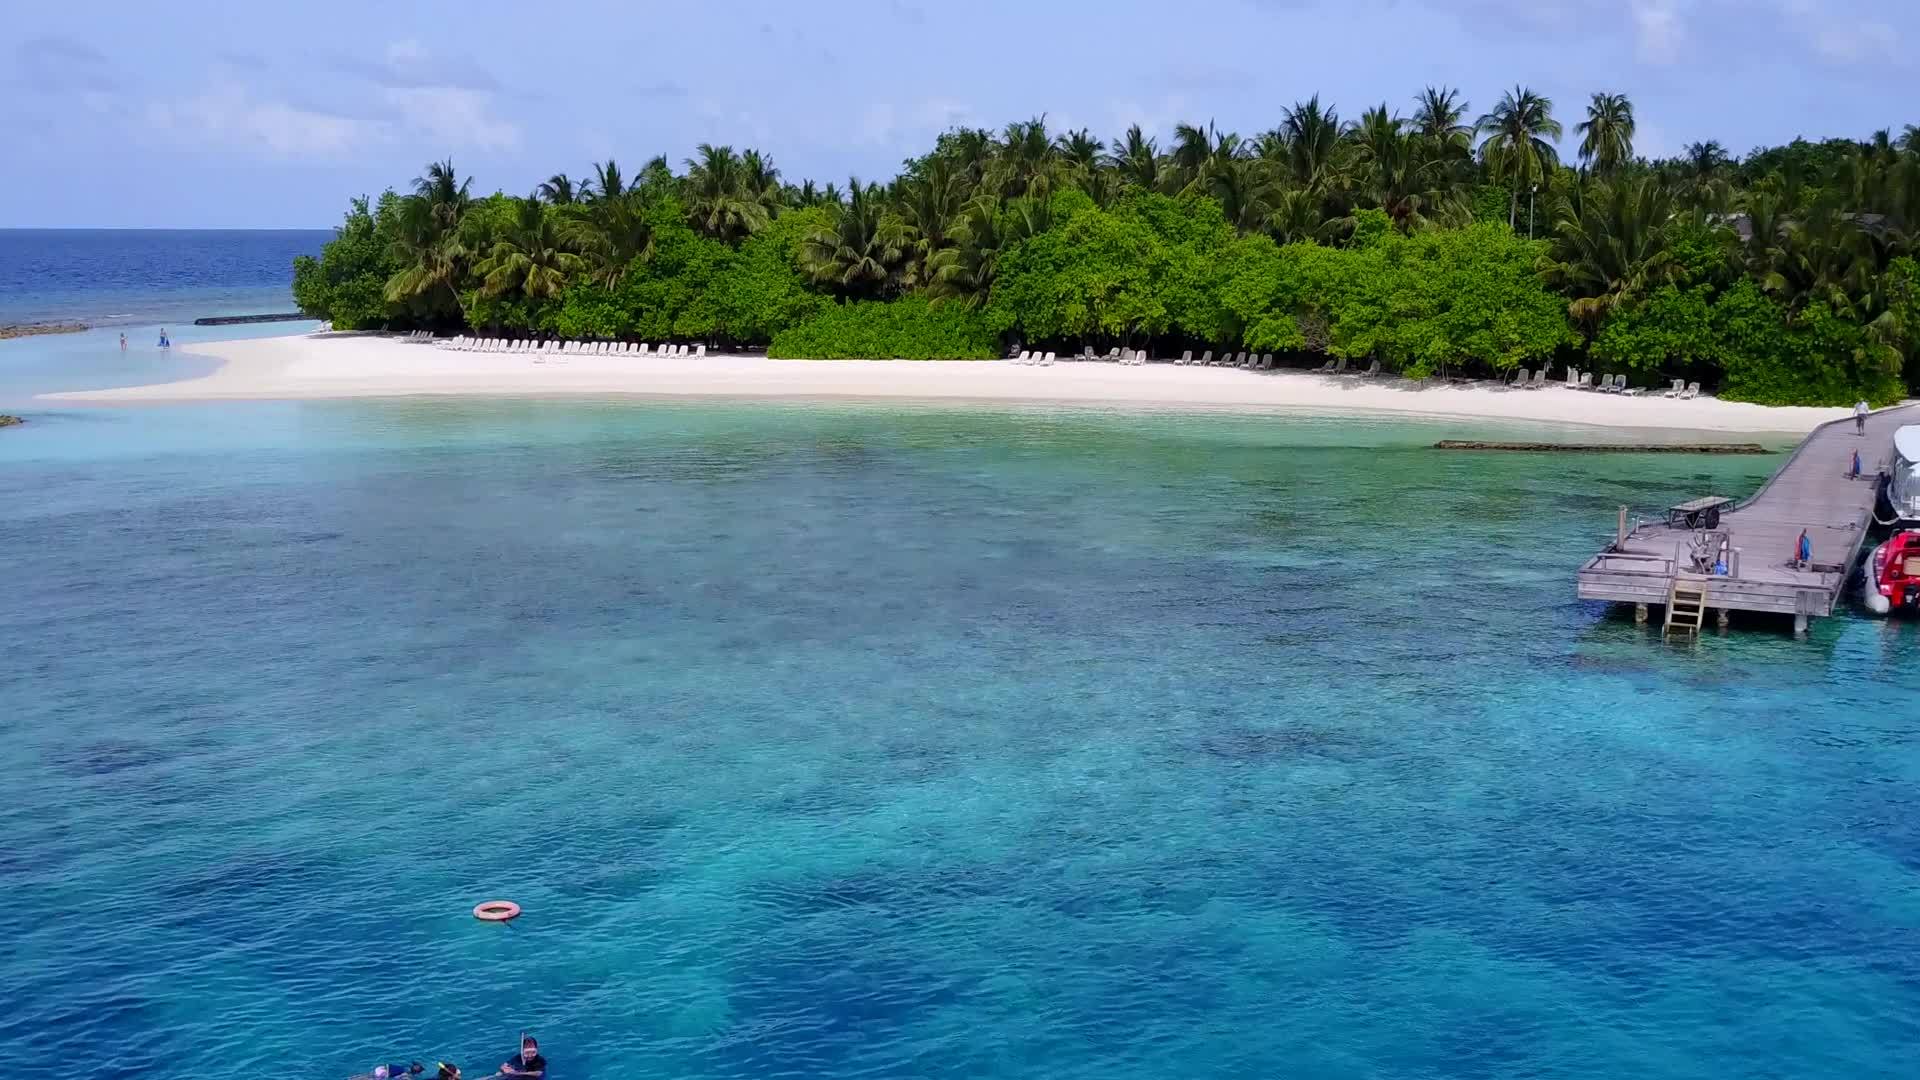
[862, 741]
[122, 278]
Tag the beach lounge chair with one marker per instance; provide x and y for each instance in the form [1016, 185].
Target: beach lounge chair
[1372, 370]
[1520, 379]
[1048, 362]
[1113, 355]
[1266, 361]
[1186, 357]
[1540, 379]
[1586, 381]
[1326, 368]
[1341, 367]
[1692, 391]
[700, 352]
[1679, 385]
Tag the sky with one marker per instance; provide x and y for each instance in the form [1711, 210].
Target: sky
[202, 114]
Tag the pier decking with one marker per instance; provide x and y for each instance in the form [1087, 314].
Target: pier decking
[1810, 491]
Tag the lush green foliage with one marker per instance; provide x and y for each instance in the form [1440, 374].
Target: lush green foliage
[1455, 298]
[1786, 276]
[910, 328]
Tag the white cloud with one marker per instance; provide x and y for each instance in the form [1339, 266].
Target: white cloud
[230, 115]
[455, 118]
[1858, 41]
[1658, 30]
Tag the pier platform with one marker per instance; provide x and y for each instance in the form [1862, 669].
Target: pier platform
[1756, 537]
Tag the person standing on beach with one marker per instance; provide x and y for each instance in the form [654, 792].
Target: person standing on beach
[123, 342]
[1860, 411]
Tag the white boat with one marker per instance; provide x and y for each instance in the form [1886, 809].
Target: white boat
[1903, 488]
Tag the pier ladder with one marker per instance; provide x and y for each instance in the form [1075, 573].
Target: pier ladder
[1686, 607]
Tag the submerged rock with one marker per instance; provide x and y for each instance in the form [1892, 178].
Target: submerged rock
[14, 330]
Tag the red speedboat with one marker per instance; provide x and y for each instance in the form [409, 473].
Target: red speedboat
[1892, 575]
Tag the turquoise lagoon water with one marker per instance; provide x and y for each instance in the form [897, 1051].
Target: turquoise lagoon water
[838, 741]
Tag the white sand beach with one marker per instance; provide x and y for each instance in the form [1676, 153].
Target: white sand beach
[359, 365]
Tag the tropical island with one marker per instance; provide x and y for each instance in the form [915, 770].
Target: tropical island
[1438, 242]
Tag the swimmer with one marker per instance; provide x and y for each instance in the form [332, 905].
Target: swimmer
[527, 1062]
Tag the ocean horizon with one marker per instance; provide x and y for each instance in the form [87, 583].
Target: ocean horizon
[129, 278]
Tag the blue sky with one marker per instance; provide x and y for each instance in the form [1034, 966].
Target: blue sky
[194, 113]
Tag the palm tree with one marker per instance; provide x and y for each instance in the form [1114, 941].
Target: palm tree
[1137, 160]
[611, 234]
[444, 192]
[1439, 116]
[1703, 182]
[971, 150]
[1313, 145]
[761, 179]
[1025, 161]
[428, 242]
[929, 211]
[1606, 135]
[530, 256]
[558, 189]
[607, 183]
[1610, 246]
[858, 251]
[1192, 147]
[1245, 190]
[1516, 148]
[719, 202]
[964, 273]
[431, 254]
[1079, 151]
[1398, 171]
[1298, 216]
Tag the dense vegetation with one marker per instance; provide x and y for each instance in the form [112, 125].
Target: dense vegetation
[1432, 243]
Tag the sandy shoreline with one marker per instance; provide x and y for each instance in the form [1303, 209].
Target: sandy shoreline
[303, 367]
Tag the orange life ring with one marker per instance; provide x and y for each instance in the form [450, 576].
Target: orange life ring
[496, 911]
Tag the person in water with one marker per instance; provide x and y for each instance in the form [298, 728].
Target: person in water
[527, 1062]
[447, 1072]
[397, 1072]
[123, 343]
[164, 343]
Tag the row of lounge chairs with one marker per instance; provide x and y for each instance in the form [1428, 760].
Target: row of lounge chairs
[1617, 384]
[418, 336]
[569, 348]
[1339, 367]
[1116, 355]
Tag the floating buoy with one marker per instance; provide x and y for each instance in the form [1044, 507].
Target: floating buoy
[496, 911]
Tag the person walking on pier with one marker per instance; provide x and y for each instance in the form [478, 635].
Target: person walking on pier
[1803, 551]
[1860, 411]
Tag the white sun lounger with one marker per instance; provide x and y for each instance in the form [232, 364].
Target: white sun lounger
[1048, 362]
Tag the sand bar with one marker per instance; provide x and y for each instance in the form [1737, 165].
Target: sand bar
[321, 366]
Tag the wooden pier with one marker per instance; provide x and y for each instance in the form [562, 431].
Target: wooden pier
[1755, 539]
